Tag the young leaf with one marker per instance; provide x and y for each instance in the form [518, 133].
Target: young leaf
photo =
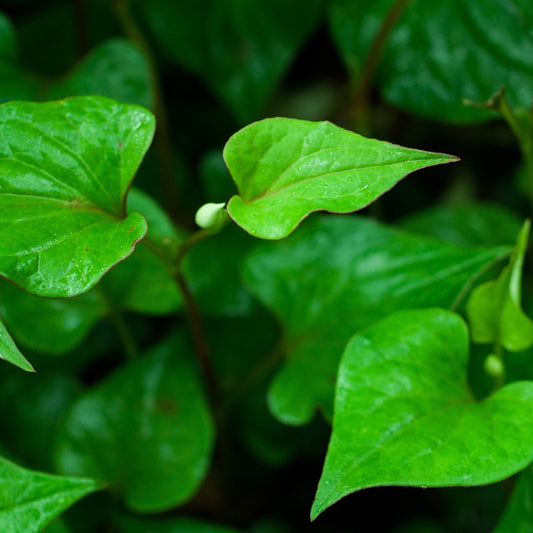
[404, 414]
[285, 169]
[336, 276]
[518, 516]
[494, 310]
[9, 351]
[65, 170]
[29, 500]
[440, 53]
[146, 430]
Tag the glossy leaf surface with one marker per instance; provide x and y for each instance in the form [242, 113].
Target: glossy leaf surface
[404, 414]
[66, 167]
[248, 47]
[285, 169]
[29, 500]
[494, 309]
[337, 275]
[440, 53]
[9, 351]
[146, 430]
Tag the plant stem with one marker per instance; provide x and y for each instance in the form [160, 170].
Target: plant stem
[80, 22]
[162, 141]
[360, 102]
[115, 313]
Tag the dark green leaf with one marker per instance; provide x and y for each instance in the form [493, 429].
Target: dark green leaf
[146, 430]
[465, 225]
[494, 311]
[440, 53]
[66, 167]
[338, 275]
[518, 517]
[129, 524]
[241, 49]
[9, 351]
[404, 414]
[285, 169]
[29, 500]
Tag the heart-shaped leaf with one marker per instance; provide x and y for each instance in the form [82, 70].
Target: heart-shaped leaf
[29, 500]
[154, 414]
[65, 170]
[285, 169]
[404, 414]
[494, 310]
[440, 53]
[9, 351]
[337, 275]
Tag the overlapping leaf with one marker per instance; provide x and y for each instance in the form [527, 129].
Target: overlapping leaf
[337, 275]
[29, 500]
[9, 351]
[65, 170]
[404, 414]
[146, 430]
[285, 169]
[440, 53]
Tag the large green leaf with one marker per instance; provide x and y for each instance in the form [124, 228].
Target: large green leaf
[10, 352]
[146, 430]
[65, 170]
[340, 274]
[241, 48]
[518, 517]
[285, 169]
[440, 53]
[404, 414]
[494, 311]
[29, 500]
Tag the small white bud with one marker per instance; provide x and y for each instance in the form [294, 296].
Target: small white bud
[493, 366]
[211, 216]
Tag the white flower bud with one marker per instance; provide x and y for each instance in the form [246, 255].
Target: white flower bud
[211, 216]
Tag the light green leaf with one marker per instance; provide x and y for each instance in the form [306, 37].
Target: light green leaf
[337, 275]
[116, 69]
[130, 524]
[285, 169]
[476, 224]
[29, 500]
[146, 430]
[9, 351]
[440, 53]
[494, 310]
[518, 517]
[241, 48]
[65, 170]
[404, 414]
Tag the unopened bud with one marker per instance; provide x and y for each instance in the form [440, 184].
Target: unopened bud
[493, 366]
[211, 216]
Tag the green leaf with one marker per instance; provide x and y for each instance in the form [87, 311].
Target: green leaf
[116, 69]
[285, 169]
[9, 351]
[241, 49]
[440, 53]
[518, 517]
[66, 167]
[404, 414]
[29, 500]
[130, 524]
[146, 430]
[494, 310]
[49, 325]
[336, 276]
[473, 224]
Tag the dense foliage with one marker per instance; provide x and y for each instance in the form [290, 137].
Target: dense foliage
[203, 336]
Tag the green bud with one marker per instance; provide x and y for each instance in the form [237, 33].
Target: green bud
[211, 216]
[493, 366]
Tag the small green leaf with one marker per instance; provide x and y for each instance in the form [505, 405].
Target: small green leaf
[337, 275]
[518, 517]
[285, 169]
[146, 430]
[65, 170]
[9, 351]
[404, 414]
[494, 310]
[29, 500]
